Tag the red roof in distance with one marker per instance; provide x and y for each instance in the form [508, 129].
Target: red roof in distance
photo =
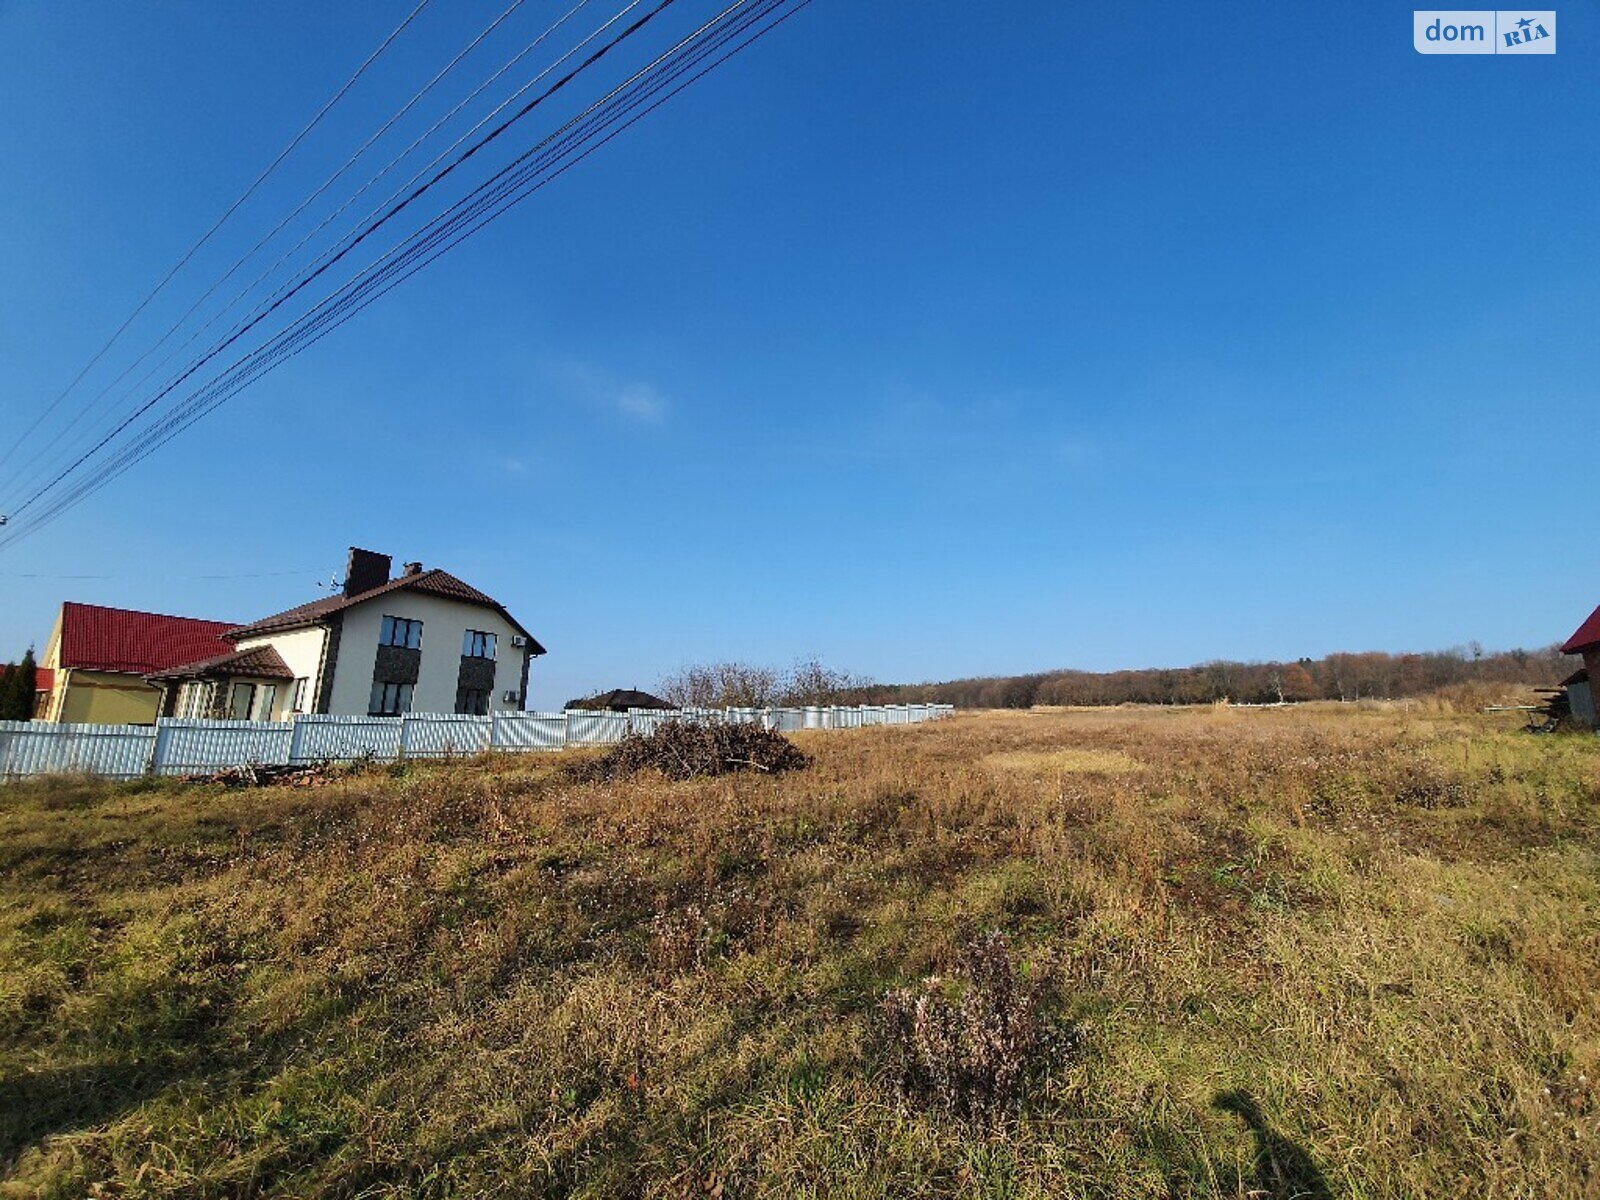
[94, 638]
[1588, 634]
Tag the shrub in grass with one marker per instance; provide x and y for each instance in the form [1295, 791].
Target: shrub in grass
[968, 1053]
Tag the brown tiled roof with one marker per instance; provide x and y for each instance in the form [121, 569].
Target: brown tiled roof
[262, 662]
[433, 583]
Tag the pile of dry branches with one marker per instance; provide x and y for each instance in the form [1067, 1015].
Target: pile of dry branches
[690, 750]
[267, 775]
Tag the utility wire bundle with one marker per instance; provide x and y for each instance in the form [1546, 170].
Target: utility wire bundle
[609, 75]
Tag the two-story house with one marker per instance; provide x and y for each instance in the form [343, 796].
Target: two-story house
[423, 641]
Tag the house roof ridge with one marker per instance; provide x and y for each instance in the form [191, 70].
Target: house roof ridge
[446, 585]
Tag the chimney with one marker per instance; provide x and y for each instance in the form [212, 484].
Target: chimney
[412, 569]
[365, 571]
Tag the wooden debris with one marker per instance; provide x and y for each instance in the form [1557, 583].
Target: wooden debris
[267, 775]
[691, 750]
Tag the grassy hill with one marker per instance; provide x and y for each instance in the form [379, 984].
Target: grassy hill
[1317, 951]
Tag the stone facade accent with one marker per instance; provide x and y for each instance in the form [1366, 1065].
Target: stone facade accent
[330, 661]
[397, 664]
[475, 674]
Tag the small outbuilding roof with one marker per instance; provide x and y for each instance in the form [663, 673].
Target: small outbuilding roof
[1588, 634]
[620, 700]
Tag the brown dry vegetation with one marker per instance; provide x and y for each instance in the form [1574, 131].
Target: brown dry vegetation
[1325, 951]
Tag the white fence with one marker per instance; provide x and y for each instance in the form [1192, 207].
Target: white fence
[182, 746]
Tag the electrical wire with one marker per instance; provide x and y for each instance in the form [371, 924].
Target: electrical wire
[492, 200]
[228, 384]
[83, 413]
[220, 221]
[372, 228]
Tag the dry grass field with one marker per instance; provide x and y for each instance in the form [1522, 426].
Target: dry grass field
[1326, 951]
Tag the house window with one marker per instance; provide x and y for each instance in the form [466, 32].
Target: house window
[266, 697]
[474, 701]
[297, 702]
[477, 644]
[398, 631]
[389, 699]
[244, 697]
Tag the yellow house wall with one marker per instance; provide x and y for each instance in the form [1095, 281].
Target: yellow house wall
[104, 698]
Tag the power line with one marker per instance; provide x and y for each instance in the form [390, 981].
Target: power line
[242, 575]
[205, 237]
[278, 228]
[294, 340]
[372, 228]
[31, 478]
[480, 207]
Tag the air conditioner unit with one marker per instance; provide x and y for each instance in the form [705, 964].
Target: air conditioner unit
[512, 697]
[518, 641]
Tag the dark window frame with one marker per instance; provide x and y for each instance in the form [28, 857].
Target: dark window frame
[390, 699]
[233, 701]
[405, 632]
[478, 643]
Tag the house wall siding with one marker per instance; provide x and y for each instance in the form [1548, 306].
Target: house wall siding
[301, 651]
[107, 698]
[444, 623]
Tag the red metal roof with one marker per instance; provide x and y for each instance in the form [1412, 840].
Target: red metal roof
[1588, 635]
[94, 638]
[44, 679]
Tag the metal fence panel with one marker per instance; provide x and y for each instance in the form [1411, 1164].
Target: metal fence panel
[529, 731]
[645, 721]
[322, 738]
[787, 720]
[589, 727]
[444, 735]
[184, 745]
[35, 748]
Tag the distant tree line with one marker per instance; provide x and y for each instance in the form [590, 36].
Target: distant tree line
[17, 684]
[1336, 677]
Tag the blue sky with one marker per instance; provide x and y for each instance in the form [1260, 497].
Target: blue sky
[932, 339]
